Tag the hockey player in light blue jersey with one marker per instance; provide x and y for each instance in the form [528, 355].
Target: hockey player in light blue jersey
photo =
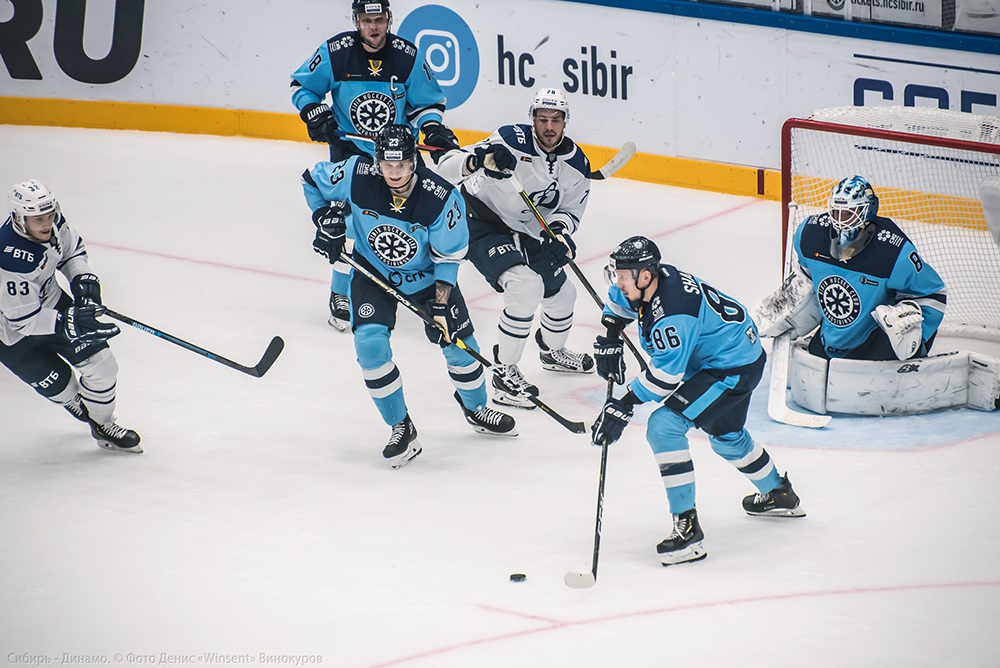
[373, 78]
[879, 299]
[705, 361]
[411, 231]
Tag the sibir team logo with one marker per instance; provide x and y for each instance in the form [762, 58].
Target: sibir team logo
[366, 311]
[836, 5]
[371, 111]
[393, 246]
[839, 301]
[449, 49]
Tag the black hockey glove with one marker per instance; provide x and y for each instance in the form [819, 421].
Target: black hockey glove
[331, 230]
[612, 421]
[79, 324]
[495, 160]
[438, 136]
[560, 250]
[320, 122]
[610, 359]
[446, 315]
[86, 289]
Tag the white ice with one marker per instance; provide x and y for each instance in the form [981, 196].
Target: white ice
[263, 524]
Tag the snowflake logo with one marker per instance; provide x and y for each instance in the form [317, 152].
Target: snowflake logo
[366, 311]
[372, 111]
[884, 235]
[839, 300]
[393, 246]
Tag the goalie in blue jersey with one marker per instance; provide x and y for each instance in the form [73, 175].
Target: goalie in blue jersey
[705, 361]
[373, 78]
[411, 231]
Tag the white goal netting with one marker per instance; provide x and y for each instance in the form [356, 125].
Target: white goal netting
[926, 166]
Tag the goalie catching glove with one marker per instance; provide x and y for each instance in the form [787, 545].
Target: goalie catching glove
[902, 324]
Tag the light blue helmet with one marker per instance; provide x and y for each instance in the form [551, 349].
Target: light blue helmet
[852, 205]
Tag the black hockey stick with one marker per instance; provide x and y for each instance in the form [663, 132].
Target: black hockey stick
[273, 349]
[343, 134]
[575, 427]
[623, 155]
[579, 274]
[584, 580]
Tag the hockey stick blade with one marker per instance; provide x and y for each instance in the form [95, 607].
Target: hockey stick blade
[579, 580]
[274, 349]
[624, 154]
[777, 408]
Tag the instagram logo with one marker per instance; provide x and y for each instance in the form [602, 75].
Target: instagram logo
[441, 51]
[449, 48]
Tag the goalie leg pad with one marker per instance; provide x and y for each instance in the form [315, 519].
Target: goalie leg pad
[792, 307]
[984, 382]
[807, 377]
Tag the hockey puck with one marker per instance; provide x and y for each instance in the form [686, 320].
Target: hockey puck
[518, 577]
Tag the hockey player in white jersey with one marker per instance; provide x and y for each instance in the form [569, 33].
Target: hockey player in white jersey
[411, 232]
[44, 333]
[509, 247]
[705, 361]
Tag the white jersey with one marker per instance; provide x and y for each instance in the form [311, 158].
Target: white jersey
[29, 291]
[558, 182]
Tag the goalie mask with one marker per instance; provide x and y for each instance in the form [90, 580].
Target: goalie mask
[852, 205]
[30, 198]
[549, 98]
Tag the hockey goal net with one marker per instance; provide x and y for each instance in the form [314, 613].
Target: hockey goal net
[927, 167]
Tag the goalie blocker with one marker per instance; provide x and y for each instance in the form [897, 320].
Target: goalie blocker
[964, 379]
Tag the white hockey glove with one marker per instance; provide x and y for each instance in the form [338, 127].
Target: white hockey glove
[902, 324]
[792, 307]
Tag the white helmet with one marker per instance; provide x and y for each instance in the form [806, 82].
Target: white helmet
[30, 198]
[549, 98]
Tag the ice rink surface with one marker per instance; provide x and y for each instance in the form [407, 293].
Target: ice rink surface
[262, 524]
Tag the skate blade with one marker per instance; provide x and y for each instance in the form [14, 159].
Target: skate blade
[484, 430]
[339, 325]
[405, 457]
[693, 552]
[558, 368]
[104, 445]
[504, 400]
[780, 512]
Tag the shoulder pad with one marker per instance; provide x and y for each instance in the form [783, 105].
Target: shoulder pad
[432, 183]
[402, 47]
[17, 254]
[578, 160]
[518, 137]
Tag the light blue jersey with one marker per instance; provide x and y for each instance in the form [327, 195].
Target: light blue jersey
[393, 235]
[370, 90]
[886, 271]
[686, 327]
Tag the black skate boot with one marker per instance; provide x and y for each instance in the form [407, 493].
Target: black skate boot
[340, 312]
[402, 446]
[509, 386]
[779, 502]
[76, 408]
[112, 436]
[488, 421]
[564, 359]
[684, 544]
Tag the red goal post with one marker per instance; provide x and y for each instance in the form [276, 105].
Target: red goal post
[926, 166]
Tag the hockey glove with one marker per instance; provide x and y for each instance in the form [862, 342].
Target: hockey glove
[610, 359]
[560, 250]
[446, 317]
[611, 422]
[319, 122]
[331, 230]
[496, 161]
[86, 289]
[79, 324]
[438, 136]
[903, 326]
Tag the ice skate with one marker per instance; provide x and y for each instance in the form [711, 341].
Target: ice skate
[488, 421]
[402, 446]
[76, 408]
[113, 436]
[340, 312]
[563, 359]
[684, 544]
[509, 386]
[780, 502]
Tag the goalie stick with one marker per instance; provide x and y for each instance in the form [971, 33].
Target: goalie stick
[777, 405]
[589, 579]
[273, 349]
[345, 256]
